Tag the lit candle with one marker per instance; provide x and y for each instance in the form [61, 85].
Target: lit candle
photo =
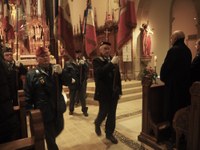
[155, 60]
[63, 62]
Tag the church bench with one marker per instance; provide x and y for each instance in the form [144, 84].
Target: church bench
[186, 121]
[22, 114]
[154, 127]
[36, 141]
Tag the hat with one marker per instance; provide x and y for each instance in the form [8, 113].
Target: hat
[6, 49]
[105, 43]
[78, 51]
[42, 51]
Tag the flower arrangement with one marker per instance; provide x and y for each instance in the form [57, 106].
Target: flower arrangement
[149, 72]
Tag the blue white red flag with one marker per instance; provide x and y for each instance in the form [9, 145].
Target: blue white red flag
[89, 30]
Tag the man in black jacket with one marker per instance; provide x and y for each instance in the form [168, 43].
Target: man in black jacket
[107, 89]
[43, 90]
[78, 70]
[175, 73]
[16, 74]
[9, 122]
[195, 66]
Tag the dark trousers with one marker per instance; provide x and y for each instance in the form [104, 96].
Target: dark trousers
[52, 130]
[79, 94]
[107, 109]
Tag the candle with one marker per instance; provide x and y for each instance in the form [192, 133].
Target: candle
[155, 61]
[63, 62]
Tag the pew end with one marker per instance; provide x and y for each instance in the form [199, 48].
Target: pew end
[36, 141]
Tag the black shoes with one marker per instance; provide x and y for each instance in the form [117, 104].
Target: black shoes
[85, 114]
[98, 130]
[71, 113]
[112, 139]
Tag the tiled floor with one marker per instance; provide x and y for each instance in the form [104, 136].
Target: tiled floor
[79, 134]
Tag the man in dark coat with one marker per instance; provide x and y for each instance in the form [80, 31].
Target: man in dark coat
[175, 73]
[195, 66]
[9, 122]
[16, 74]
[43, 90]
[78, 70]
[107, 89]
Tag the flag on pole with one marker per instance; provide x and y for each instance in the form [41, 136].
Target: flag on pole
[127, 21]
[1, 9]
[63, 29]
[89, 30]
[7, 27]
[20, 26]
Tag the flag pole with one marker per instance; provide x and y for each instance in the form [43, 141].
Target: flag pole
[17, 48]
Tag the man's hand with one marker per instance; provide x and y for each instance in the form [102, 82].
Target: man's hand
[57, 69]
[73, 80]
[115, 60]
[17, 63]
[81, 62]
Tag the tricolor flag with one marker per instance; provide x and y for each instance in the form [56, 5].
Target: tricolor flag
[89, 30]
[7, 27]
[63, 29]
[127, 21]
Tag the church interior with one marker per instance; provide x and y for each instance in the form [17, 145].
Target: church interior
[139, 120]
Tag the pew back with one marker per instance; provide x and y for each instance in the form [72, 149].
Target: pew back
[36, 141]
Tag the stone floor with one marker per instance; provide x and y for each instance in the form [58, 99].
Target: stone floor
[79, 133]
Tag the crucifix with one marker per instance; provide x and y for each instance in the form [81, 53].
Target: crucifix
[107, 34]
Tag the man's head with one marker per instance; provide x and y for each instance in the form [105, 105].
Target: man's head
[42, 56]
[78, 53]
[7, 54]
[177, 35]
[105, 48]
[197, 45]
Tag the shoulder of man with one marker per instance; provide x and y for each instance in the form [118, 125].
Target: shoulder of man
[99, 58]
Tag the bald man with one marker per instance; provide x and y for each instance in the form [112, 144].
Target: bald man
[175, 73]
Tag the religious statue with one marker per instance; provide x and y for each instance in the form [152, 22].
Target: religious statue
[146, 40]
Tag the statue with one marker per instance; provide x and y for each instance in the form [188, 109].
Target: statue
[146, 40]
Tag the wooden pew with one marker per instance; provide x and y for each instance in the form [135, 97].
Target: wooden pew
[36, 141]
[187, 121]
[153, 124]
[22, 113]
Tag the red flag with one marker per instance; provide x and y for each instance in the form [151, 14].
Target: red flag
[7, 27]
[90, 32]
[127, 21]
[63, 29]
[20, 26]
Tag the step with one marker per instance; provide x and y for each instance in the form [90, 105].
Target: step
[128, 84]
[124, 98]
[130, 97]
[124, 91]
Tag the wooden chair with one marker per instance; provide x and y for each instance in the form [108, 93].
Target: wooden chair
[36, 141]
